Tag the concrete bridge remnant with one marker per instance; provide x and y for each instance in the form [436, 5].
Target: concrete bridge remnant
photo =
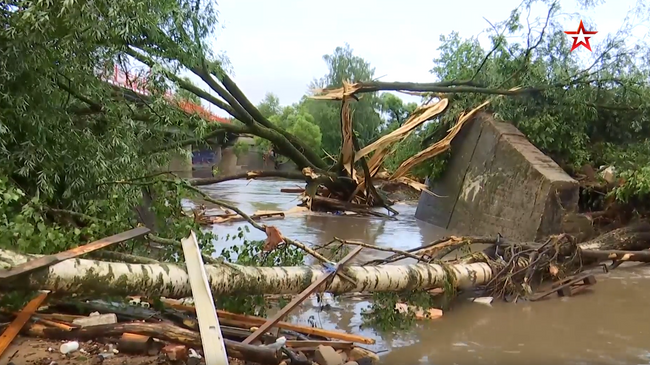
[497, 182]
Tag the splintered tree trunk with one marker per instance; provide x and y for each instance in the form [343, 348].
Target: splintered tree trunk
[83, 276]
[623, 244]
[630, 238]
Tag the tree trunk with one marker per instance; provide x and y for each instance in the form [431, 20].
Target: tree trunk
[92, 277]
[630, 238]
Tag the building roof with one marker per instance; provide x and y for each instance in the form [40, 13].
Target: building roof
[138, 85]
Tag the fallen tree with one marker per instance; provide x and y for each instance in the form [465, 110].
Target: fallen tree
[91, 277]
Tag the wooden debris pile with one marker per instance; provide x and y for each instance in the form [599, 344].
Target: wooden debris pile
[170, 335]
[175, 333]
[504, 269]
[532, 271]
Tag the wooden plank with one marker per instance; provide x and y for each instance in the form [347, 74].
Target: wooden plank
[214, 350]
[21, 319]
[589, 280]
[244, 321]
[50, 260]
[298, 299]
[59, 325]
[336, 345]
[563, 288]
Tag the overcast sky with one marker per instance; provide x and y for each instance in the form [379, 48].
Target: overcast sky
[277, 46]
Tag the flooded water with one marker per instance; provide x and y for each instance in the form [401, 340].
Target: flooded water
[607, 325]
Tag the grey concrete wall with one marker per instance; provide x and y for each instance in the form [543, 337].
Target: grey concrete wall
[498, 182]
[252, 160]
[228, 163]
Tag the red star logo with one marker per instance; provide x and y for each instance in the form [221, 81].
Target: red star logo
[580, 37]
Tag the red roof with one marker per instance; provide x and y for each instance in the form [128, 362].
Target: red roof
[137, 84]
[191, 107]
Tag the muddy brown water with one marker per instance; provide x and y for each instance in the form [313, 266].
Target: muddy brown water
[609, 324]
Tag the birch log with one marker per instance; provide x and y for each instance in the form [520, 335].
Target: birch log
[93, 277]
[90, 277]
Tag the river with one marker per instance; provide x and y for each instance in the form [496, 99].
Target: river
[604, 325]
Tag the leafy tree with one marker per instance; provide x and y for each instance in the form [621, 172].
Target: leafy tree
[71, 146]
[270, 105]
[577, 112]
[292, 119]
[183, 94]
[395, 110]
[302, 126]
[343, 65]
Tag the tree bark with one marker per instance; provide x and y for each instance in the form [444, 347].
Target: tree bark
[90, 277]
[630, 238]
[163, 331]
[604, 255]
[293, 175]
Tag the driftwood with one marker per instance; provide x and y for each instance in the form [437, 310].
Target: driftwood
[634, 237]
[327, 204]
[603, 255]
[163, 331]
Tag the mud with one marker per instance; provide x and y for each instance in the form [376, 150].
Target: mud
[30, 351]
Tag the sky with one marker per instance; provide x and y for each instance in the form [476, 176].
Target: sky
[277, 46]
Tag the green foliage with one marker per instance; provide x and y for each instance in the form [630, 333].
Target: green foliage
[383, 316]
[343, 65]
[250, 253]
[303, 127]
[66, 142]
[632, 164]
[396, 112]
[292, 119]
[270, 105]
[580, 108]
[241, 148]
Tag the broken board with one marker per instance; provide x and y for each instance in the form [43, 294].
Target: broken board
[214, 349]
[568, 286]
[50, 260]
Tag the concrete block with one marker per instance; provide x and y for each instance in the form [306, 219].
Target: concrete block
[498, 182]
